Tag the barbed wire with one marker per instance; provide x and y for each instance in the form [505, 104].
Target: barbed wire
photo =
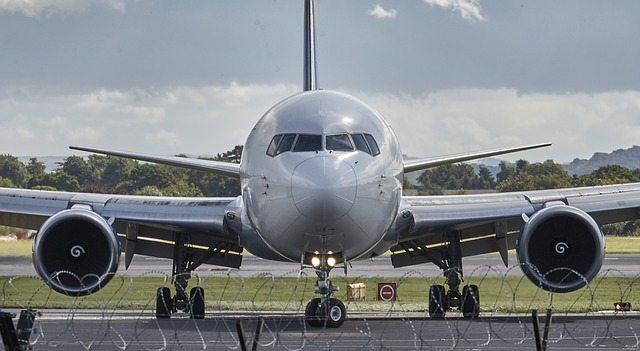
[122, 315]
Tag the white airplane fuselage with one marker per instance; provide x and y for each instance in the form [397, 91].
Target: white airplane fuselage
[321, 201]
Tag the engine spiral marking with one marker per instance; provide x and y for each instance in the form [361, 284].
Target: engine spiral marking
[77, 251]
[561, 247]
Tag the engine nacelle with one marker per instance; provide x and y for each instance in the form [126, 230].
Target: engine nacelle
[76, 252]
[561, 248]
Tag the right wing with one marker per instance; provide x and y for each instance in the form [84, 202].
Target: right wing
[223, 168]
[146, 225]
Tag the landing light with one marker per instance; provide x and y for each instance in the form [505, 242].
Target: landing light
[315, 261]
[331, 261]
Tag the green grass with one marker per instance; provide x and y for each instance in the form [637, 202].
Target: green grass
[15, 248]
[615, 244]
[513, 294]
[622, 244]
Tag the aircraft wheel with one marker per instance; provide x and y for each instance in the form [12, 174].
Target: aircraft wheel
[470, 301]
[336, 313]
[311, 313]
[196, 298]
[164, 303]
[437, 301]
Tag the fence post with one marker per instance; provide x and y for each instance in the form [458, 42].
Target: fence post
[547, 324]
[243, 345]
[256, 336]
[536, 329]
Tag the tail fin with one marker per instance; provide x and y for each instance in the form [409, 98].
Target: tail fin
[309, 45]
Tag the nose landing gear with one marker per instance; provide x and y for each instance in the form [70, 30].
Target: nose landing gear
[325, 311]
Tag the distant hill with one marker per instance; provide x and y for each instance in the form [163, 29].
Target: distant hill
[629, 158]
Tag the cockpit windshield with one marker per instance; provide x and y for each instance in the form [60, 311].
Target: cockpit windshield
[313, 142]
[308, 142]
[339, 142]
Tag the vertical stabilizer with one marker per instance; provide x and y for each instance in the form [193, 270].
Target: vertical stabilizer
[309, 45]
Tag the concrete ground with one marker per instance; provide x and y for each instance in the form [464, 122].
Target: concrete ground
[87, 330]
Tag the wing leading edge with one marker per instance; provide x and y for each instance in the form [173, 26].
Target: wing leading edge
[222, 168]
[425, 163]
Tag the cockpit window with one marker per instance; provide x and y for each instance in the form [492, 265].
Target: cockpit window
[308, 142]
[286, 143]
[361, 144]
[339, 142]
[273, 146]
[375, 150]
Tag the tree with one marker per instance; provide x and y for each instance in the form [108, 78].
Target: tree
[536, 176]
[14, 170]
[485, 178]
[152, 175]
[35, 167]
[505, 171]
[77, 167]
[58, 180]
[182, 188]
[451, 176]
[114, 170]
[6, 183]
[612, 174]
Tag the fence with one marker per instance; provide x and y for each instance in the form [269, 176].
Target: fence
[268, 310]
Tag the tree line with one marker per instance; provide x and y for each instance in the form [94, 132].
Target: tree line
[108, 174]
[520, 176]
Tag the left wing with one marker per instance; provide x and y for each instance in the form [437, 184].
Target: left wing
[146, 225]
[491, 222]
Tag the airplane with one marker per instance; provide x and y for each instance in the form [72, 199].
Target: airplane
[321, 179]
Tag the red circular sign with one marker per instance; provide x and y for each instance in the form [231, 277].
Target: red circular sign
[387, 292]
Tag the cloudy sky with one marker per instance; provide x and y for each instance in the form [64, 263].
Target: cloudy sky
[193, 76]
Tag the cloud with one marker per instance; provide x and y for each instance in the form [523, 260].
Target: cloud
[380, 12]
[468, 9]
[458, 120]
[211, 119]
[45, 8]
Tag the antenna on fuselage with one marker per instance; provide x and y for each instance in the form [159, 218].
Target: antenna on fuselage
[309, 45]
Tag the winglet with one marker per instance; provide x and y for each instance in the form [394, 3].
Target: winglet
[221, 168]
[417, 165]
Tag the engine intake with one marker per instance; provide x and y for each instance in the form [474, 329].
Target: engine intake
[76, 252]
[561, 248]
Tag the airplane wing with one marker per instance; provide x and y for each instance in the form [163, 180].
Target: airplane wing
[222, 168]
[425, 163]
[145, 225]
[492, 222]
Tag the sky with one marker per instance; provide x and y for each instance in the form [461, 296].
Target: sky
[194, 76]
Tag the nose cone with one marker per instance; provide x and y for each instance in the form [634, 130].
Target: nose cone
[324, 188]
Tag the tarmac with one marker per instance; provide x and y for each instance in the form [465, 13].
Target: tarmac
[94, 330]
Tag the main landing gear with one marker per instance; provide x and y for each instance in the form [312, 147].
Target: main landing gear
[325, 311]
[193, 303]
[440, 300]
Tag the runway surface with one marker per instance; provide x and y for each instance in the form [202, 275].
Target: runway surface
[626, 264]
[87, 331]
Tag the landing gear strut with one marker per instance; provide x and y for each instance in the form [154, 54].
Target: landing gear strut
[441, 301]
[183, 265]
[325, 311]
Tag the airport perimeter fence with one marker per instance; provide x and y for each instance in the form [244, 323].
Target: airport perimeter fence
[266, 312]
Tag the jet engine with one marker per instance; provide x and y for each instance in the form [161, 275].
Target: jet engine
[561, 248]
[76, 252]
